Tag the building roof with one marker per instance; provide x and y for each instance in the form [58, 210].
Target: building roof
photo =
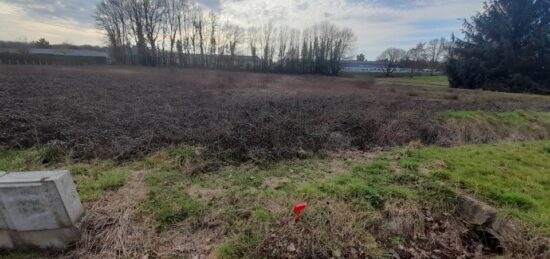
[70, 52]
[361, 64]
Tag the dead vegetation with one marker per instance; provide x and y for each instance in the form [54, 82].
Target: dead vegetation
[111, 227]
[126, 113]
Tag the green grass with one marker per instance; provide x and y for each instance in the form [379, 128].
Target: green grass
[373, 184]
[515, 177]
[477, 126]
[434, 81]
[523, 118]
[168, 200]
[92, 180]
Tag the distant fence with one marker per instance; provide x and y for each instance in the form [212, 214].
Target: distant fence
[28, 59]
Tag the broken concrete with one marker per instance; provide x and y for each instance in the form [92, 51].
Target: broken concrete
[39, 210]
[473, 211]
[498, 232]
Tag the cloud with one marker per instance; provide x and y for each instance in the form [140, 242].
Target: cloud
[377, 24]
[57, 21]
[79, 11]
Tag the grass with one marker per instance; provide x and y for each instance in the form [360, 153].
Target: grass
[430, 81]
[92, 179]
[510, 118]
[512, 176]
[490, 127]
[168, 200]
[347, 198]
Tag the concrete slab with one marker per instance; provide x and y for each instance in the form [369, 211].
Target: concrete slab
[38, 209]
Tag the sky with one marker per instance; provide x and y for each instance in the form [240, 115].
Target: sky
[377, 24]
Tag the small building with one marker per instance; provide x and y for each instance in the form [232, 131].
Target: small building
[70, 53]
[35, 56]
[354, 66]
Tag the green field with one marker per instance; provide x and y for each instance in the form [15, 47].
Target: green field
[435, 81]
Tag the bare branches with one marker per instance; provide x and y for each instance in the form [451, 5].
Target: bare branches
[391, 59]
[148, 32]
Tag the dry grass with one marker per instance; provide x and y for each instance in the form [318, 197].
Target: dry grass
[125, 113]
[330, 229]
[111, 228]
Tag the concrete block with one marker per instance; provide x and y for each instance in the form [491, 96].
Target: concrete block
[39, 209]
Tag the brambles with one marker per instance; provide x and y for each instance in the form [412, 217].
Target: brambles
[126, 113]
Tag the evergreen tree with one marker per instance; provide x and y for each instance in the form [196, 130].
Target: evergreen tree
[505, 48]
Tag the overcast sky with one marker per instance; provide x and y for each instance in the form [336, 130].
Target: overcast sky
[378, 24]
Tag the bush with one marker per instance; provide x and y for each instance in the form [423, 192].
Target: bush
[53, 152]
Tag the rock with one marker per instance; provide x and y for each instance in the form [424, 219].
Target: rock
[506, 233]
[498, 233]
[473, 211]
[291, 248]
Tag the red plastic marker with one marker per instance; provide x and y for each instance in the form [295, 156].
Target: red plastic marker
[298, 209]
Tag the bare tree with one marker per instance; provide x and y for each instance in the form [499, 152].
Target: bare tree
[293, 54]
[416, 56]
[153, 12]
[158, 28]
[234, 35]
[283, 45]
[391, 59]
[435, 50]
[135, 13]
[174, 14]
[268, 46]
[344, 40]
[109, 16]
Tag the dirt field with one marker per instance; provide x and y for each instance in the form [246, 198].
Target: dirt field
[124, 113]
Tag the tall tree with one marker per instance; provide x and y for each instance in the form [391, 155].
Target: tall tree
[135, 13]
[416, 57]
[506, 48]
[434, 51]
[153, 12]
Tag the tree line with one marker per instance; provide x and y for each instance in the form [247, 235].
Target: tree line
[431, 54]
[181, 33]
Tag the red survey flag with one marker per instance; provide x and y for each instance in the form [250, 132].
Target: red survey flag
[298, 209]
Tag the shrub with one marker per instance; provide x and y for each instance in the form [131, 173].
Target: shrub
[53, 152]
